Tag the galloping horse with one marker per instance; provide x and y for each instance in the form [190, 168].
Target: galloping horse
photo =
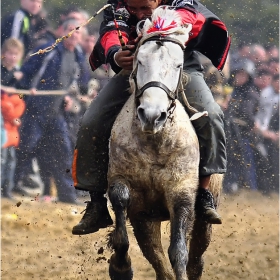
[154, 159]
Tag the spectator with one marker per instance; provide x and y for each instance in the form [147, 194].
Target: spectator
[80, 15]
[272, 51]
[258, 54]
[72, 110]
[12, 53]
[268, 107]
[44, 119]
[243, 52]
[12, 108]
[104, 72]
[21, 24]
[73, 12]
[75, 104]
[43, 31]
[262, 80]
[273, 66]
[268, 99]
[88, 43]
[271, 138]
[240, 124]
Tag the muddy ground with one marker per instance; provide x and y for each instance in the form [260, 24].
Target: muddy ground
[37, 242]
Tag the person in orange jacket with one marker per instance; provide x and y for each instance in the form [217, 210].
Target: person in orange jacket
[12, 108]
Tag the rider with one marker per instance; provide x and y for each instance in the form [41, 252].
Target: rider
[209, 36]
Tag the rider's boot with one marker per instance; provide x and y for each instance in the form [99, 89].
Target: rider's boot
[204, 205]
[96, 215]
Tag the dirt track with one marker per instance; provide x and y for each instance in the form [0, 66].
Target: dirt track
[37, 242]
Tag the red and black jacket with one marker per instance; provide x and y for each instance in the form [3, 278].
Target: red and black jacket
[209, 34]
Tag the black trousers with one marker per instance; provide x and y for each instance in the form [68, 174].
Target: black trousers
[91, 158]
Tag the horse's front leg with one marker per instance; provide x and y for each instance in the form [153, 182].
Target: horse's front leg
[148, 235]
[120, 263]
[181, 217]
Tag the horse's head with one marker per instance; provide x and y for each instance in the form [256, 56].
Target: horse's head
[158, 67]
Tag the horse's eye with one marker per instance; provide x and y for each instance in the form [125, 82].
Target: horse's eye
[139, 62]
[179, 65]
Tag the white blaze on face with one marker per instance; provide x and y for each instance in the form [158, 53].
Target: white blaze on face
[158, 64]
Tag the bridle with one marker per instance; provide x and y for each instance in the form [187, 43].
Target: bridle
[173, 95]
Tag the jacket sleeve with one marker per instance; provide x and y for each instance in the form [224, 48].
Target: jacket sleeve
[6, 24]
[12, 107]
[30, 68]
[209, 34]
[108, 43]
[195, 19]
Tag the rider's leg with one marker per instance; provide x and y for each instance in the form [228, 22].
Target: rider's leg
[90, 164]
[211, 136]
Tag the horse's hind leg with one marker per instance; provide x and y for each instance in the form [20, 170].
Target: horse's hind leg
[120, 263]
[181, 216]
[148, 235]
[201, 234]
[200, 239]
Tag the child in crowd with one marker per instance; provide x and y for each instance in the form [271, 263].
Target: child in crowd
[11, 56]
[12, 108]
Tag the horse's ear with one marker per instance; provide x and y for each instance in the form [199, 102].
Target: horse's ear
[187, 27]
[140, 27]
[185, 33]
[146, 26]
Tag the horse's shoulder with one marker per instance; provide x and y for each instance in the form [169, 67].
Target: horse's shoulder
[123, 122]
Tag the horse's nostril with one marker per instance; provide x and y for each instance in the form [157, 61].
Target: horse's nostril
[141, 114]
[153, 117]
[162, 117]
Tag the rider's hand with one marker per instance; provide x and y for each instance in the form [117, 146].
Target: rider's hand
[124, 59]
[135, 41]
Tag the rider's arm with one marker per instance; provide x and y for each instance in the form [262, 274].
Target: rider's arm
[195, 19]
[213, 28]
[111, 45]
[108, 43]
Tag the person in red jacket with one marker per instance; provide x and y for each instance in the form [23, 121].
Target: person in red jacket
[12, 108]
[209, 37]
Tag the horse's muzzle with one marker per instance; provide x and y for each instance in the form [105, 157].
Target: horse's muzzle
[151, 120]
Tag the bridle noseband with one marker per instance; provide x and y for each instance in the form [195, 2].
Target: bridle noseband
[171, 94]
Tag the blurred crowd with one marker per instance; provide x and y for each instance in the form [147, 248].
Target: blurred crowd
[249, 96]
[43, 98]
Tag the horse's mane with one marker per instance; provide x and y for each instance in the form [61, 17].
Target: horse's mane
[164, 21]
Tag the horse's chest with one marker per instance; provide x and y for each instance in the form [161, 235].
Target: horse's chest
[144, 169]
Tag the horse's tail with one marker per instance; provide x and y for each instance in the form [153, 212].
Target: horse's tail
[216, 183]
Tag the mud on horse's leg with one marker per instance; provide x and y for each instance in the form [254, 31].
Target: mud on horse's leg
[181, 218]
[200, 240]
[120, 263]
[148, 235]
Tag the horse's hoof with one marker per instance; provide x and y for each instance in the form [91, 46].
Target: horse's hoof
[120, 275]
